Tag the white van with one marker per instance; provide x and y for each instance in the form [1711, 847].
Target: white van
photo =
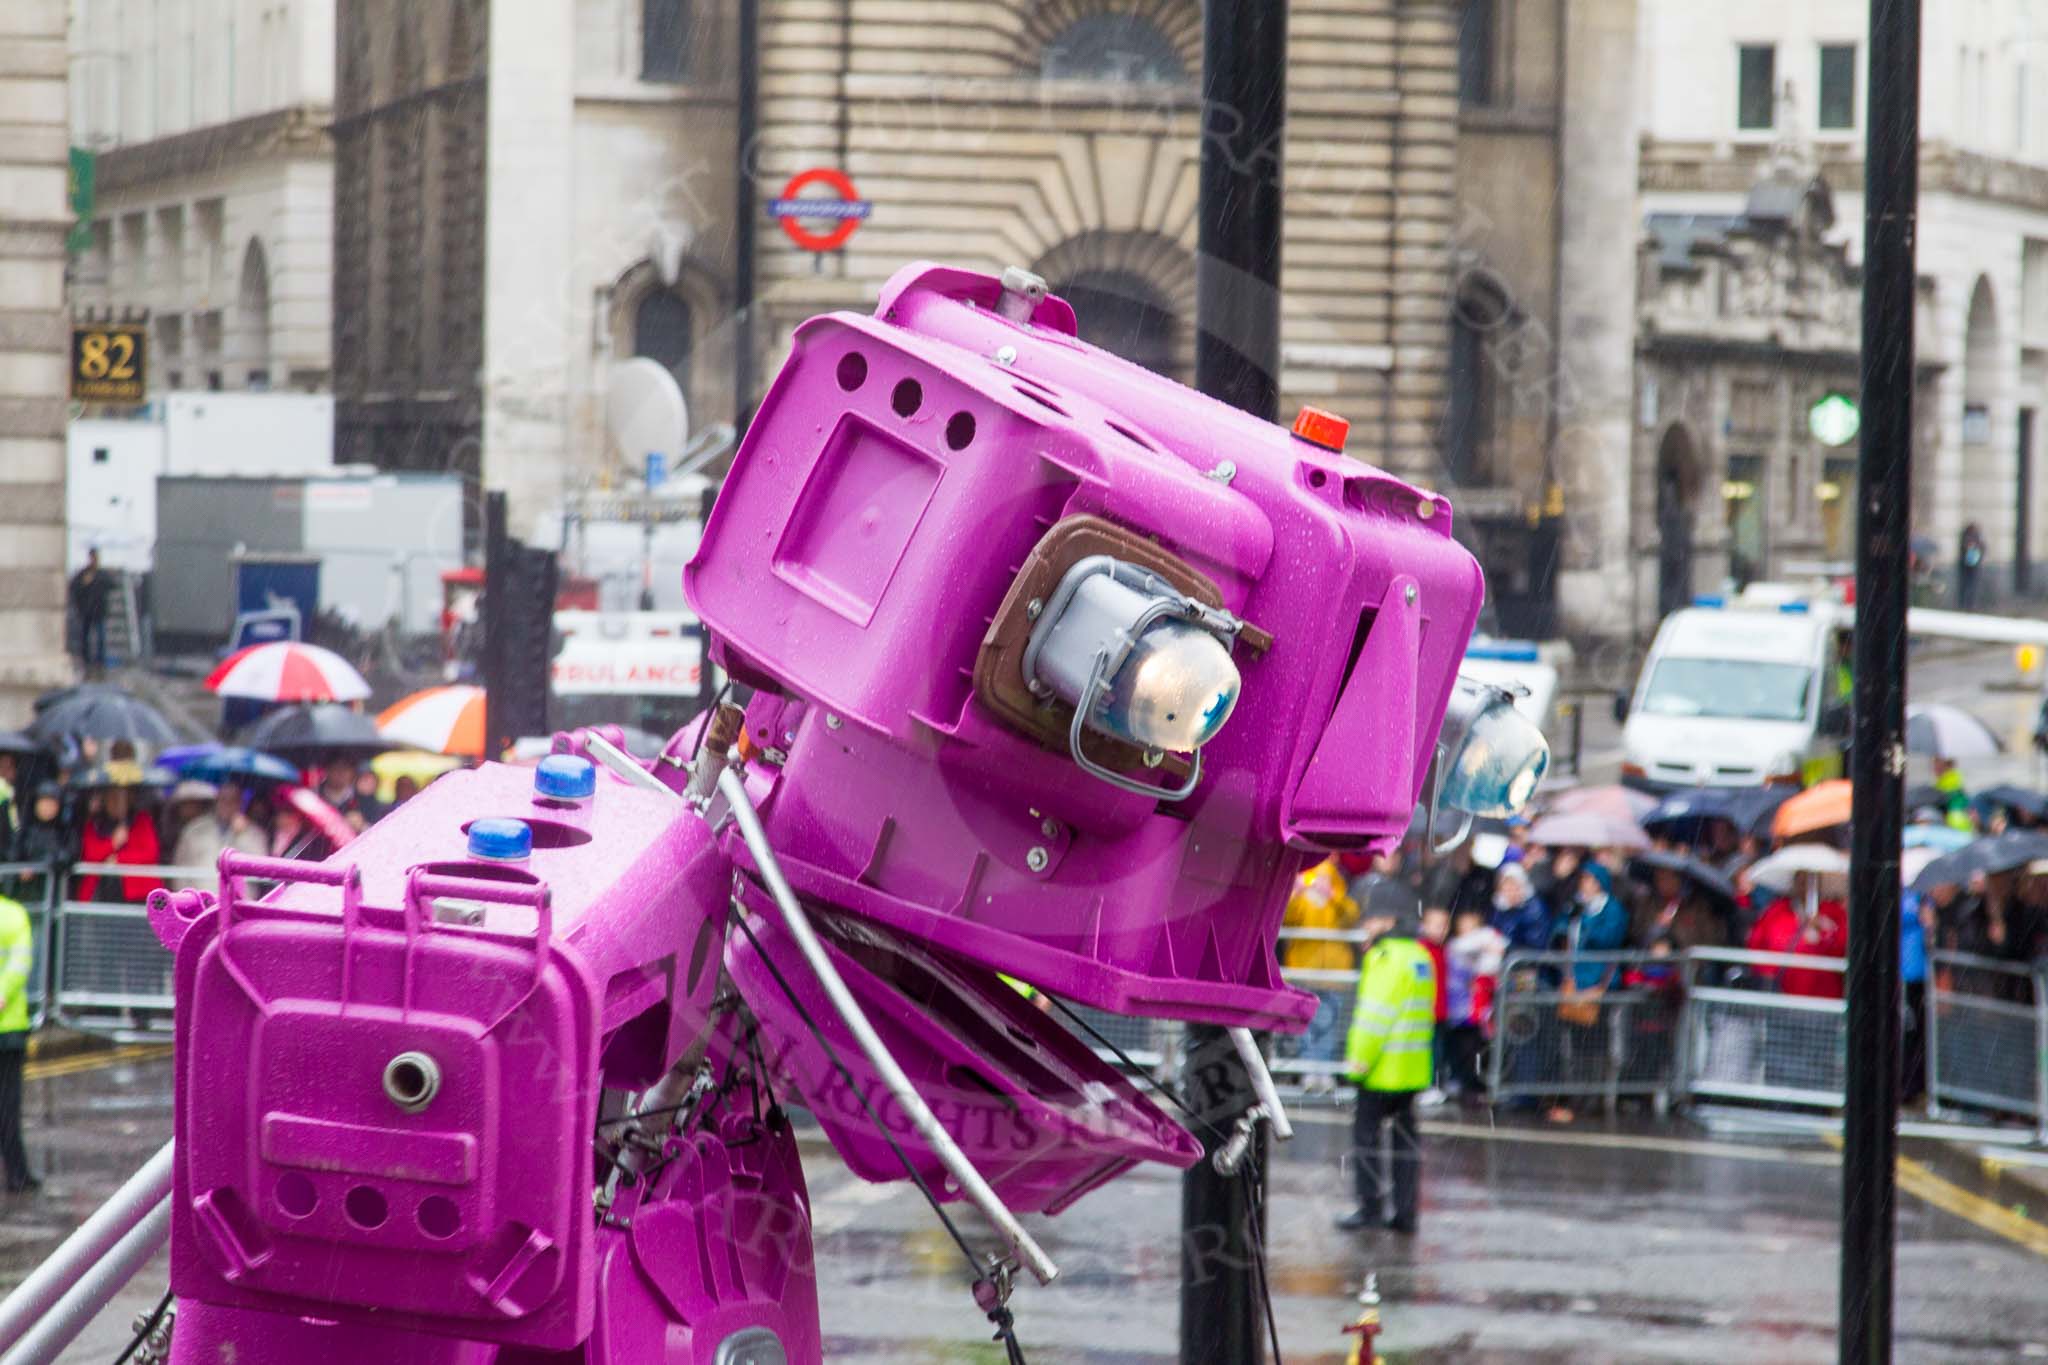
[639, 668]
[1740, 695]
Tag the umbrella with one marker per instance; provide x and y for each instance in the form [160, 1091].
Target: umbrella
[2004, 852]
[15, 742]
[103, 713]
[1705, 876]
[316, 731]
[1914, 861]
[182, 756]
[1948, 732]
[1587, 829]
[319, 814]
[445, 720]
[1952, 869]
[242, 763]
[1940, 838]
[1749, 809]
[2019, 800]
[285, 671]
[1926, 796]
[1776, 872]
[1623, 802]
[1825, 806]
[121, 773]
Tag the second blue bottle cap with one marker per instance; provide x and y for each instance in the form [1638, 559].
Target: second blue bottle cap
[565, 777]
[500, 840]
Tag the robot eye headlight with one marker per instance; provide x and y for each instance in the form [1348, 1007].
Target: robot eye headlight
[1493, 755]
[1138, 661]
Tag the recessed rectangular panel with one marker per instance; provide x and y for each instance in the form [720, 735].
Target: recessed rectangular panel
[855, 517]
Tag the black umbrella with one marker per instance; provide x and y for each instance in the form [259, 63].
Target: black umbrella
[323, 731]
[103, 713]
[1749, 809]
[2032, 804]
[15, 742]
[1705, 876]
[120, 773]
[2001, 853]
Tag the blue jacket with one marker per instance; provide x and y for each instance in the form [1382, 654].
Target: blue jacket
[1527, 926]
[1603, 928]
[1912, 941]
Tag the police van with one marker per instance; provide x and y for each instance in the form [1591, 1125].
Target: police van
[1741, 693]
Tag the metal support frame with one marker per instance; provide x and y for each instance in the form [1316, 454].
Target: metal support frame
[140, 1208]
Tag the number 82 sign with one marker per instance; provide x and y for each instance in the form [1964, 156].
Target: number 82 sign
[108, 364]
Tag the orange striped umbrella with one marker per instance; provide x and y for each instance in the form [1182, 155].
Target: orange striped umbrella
[442, 720]
[1823, 806]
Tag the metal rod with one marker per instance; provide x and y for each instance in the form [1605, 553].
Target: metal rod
[625, 765]
[49, 1281]
[745, 214]
[93, 1290]
[1878, 755]
[871, 1045]
[1254, 1059]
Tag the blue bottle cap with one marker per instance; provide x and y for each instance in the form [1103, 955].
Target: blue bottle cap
[565, 777]
[502, 840]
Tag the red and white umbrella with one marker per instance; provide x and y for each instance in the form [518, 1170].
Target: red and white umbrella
[319, 814]
[443, 720]
[287, 671]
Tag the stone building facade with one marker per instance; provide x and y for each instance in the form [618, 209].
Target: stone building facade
[34, 346]
[214, 212]
[1749, 327]
[1725, 84]
[1427, 294]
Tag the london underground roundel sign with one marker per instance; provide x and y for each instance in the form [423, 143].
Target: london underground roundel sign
[848, 208]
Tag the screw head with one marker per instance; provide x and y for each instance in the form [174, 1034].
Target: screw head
[1037, 859]
[1224, 472]
[1408, 594]
[1051, 829]
[1035, 608]
[833, 722]
[1426, 508]
[1006, 355]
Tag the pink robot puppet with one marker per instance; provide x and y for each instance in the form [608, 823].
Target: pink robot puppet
[1053, 671]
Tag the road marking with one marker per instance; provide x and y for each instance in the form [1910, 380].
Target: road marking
[1917, 1180]
[94, 1061]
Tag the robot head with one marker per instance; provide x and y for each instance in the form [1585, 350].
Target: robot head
[1064, 668]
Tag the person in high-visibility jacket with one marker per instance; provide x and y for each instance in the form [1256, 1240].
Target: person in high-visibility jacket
[17, 953]
[1389, 1058]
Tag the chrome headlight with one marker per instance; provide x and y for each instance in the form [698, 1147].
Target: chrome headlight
[1137, 660]
[1493, 755]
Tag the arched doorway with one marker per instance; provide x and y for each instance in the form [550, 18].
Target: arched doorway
[662, 332]
[1677, 484]
[252, 317]
[1123, 313]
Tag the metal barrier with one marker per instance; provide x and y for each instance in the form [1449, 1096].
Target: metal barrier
[1746, 1039]
[1552, 1041]
[1987, 1038]
[110, 973]
[34, 885]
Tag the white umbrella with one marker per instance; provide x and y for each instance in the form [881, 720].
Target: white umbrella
[1777, 871]
[1948, 732]
[1914, 861]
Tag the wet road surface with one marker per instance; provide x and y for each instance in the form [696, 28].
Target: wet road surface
[1593, 1243]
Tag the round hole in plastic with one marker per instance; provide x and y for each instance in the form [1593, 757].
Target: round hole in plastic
[365, 1207]
[853, 371]
[296, 1194]
[960, 430]
[907, 397]
[438, 1216]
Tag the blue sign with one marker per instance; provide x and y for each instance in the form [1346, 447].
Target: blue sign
[657, 470]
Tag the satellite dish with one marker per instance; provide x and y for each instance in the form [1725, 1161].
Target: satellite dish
[644, 412]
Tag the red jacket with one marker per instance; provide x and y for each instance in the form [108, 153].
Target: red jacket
[95, 846]
[1779, 930]
[1443, 994]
